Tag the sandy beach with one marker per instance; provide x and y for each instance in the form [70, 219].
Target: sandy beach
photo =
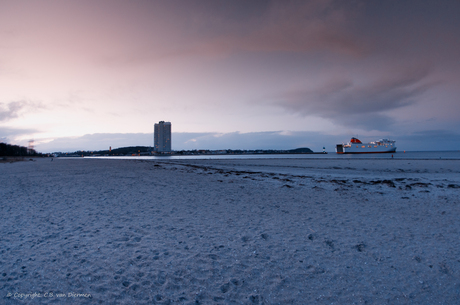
[258, 231]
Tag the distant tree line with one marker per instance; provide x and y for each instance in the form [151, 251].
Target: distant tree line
[126, 150]
[122, 151]
[16, 151]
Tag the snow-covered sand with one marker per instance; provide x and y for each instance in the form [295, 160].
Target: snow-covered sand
[258, 231]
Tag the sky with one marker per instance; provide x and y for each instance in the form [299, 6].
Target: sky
[86, 75]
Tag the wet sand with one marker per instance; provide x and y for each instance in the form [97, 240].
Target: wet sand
[259, 231]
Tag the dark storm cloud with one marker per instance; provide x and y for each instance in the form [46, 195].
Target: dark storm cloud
[285, 26]
[401, 52]
[218, 29]
[361, 103]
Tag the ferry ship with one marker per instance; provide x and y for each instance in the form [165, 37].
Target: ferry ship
[355, 146]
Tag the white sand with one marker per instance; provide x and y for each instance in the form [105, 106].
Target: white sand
[291, 231]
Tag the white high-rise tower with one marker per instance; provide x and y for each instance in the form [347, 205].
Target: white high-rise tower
[162, 137]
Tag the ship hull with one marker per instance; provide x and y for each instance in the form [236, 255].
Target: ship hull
[368, 152]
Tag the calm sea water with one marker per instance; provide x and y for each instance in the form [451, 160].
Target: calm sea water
[410, 155]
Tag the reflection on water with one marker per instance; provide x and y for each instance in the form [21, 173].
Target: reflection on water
[453, 155]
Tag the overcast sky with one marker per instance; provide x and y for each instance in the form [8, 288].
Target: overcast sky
[85, 75]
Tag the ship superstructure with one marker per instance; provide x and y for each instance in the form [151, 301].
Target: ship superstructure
[355, 146]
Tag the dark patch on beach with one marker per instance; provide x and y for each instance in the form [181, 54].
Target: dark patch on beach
[315, 270]
[134, 287]
[264, 236]
[360, 247]
[225, 287]
[419, 184]
[453, 186]
[161, 279]
[443, 268]
[330, 244]
[320, 180]
[287, 185]
[245, 239]
[317, 188]
[254, 299]
[390, 183]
